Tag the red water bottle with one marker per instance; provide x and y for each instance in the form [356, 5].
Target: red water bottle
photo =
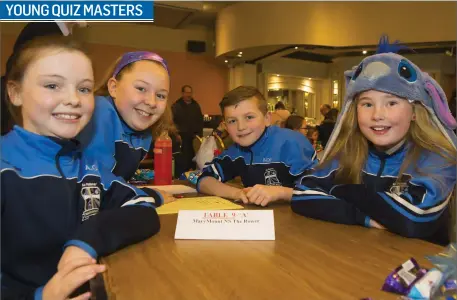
[162, 160]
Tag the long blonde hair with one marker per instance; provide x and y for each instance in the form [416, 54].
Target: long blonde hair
[163, 124]
[351, 146]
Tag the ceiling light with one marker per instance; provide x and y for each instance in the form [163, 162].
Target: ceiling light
[309, 78]
[296, 48]
[240, 53]
[226, 61]
[364, 51]
[277, 75]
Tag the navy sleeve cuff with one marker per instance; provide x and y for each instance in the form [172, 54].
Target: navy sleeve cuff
[39, 293]
[80, 244]
[197, 186]
[367, 222]
[154, 194]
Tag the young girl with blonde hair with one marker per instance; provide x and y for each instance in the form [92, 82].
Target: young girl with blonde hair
[61, 209]
[391, 159]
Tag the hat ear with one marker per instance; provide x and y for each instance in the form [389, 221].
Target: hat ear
[348, 75]
[439, 102]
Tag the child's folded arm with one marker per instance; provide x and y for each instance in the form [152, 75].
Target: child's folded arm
[311, 199]
[211, 186]
[127, 215]
[417, 210]
[223, 168]
[114, 229]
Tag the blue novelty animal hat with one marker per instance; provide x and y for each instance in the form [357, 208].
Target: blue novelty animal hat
[389, 72]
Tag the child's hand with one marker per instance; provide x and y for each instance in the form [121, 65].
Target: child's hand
[374, 224]
[167, 197]
[240, 195]
[72, 253]
[263, 194]
[70, 277]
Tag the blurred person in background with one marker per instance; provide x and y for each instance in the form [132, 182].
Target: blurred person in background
[324, 109]
[188, 118]
[280, 115]
[296, 123]
[326, 127]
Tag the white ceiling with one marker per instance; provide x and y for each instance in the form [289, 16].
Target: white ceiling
[183, 14]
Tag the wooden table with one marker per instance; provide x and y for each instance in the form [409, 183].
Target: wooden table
[310, 259]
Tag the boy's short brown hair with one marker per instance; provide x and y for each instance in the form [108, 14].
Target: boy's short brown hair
[242, 93]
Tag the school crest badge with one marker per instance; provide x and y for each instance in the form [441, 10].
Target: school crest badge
[399, 188]
[271, 177]
[91, 194]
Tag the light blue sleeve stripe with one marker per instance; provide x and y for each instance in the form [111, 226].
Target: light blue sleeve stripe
[312, 197]
[161, 199]
[197, 187]
[221, 172]
[39, 293]
[367, 222]
[407, 214]
[80, 244]
[146, 204]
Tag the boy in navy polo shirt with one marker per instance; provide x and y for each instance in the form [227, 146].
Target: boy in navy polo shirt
[268, 159]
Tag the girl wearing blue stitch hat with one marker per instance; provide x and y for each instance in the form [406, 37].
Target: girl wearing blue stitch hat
[131, 109]
[390, 162]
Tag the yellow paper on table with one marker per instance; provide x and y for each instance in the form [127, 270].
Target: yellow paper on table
[197, 203]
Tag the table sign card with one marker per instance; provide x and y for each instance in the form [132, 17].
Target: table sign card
[197, 203]
[257, 225]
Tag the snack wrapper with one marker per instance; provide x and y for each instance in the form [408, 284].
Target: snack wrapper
[401, 280]
[191, 176]
[142, 176]
[416, 283]
[446, 262]
[425, 287]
